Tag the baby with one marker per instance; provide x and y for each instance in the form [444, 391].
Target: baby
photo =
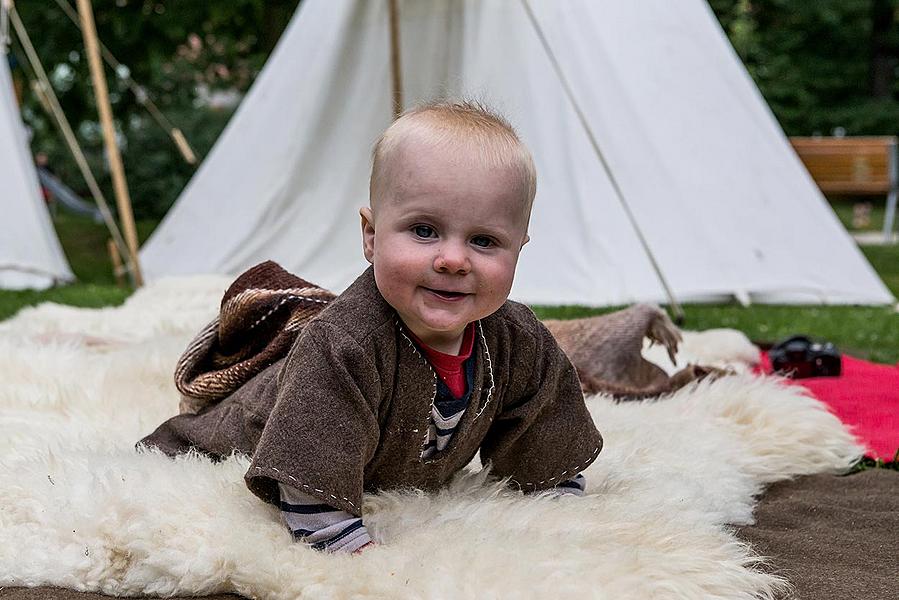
[423, 361]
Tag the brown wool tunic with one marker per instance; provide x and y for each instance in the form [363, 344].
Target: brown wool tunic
[348, 409]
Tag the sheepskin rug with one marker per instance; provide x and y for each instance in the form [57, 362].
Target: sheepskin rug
[81, 508]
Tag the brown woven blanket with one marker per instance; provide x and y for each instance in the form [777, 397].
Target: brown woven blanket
[266, 308]
[606, 351]
[260, 317]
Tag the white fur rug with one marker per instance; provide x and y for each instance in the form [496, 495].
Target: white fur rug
[80, 508]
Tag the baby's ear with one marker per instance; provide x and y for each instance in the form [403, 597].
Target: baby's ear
[368, 233]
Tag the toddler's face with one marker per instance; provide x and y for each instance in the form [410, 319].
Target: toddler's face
[445, 239]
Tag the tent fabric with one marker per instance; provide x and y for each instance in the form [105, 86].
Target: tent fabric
[30, 253]
[725, 205]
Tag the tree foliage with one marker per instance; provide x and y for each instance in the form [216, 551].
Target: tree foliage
[180, 52]
[824, 65]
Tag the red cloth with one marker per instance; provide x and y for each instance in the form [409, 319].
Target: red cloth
[865, 397]
[449, 366]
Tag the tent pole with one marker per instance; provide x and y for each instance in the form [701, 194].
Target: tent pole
[5, 8]
[396, 71]
[50, 103]
[120, 185]
[675, 305]
[176, 135]
[117, 268]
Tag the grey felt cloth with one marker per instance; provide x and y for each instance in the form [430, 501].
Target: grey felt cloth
[833, 537]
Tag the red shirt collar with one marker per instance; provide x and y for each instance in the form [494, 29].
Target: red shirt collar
[449, 363]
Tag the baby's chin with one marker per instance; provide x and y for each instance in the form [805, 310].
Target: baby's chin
[440, 327]
[447, 325]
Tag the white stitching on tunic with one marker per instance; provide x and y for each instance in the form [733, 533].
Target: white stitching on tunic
[281, 303]
[489, 370]
[575, 469]
[308, 487]
[433, 392]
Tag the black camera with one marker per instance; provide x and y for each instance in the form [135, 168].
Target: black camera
[799, 357]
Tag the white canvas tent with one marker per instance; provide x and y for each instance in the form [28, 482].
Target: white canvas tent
[675, 145]
[30, 253]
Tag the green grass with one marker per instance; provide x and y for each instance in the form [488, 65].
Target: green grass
[885, 260]
[867, 463]
[88, 295]
[84, 243]
[864, 331]
[867, 332]
[844, 208]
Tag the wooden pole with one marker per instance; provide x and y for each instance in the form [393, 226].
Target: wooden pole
[120, 185]
[396, 71]
[118, 269]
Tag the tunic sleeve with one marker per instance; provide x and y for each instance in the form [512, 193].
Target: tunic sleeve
[544, 434]
[323, 429]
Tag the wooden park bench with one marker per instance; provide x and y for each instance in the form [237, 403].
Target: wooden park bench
[854, 166]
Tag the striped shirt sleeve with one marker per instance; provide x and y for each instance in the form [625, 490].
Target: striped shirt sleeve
[571, 487]
[319, 525]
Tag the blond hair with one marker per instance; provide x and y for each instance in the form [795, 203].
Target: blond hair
[466, 123]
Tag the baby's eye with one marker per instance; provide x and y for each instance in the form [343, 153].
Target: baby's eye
[423, 231]
[482, 241]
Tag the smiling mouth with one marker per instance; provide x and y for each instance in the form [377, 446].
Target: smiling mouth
[447, 295]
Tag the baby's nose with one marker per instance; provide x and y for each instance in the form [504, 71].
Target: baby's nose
[452, 259]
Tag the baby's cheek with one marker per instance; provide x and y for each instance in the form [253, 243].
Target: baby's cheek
[399, 269]
[395, 274]
[494, 290]
[500, 276]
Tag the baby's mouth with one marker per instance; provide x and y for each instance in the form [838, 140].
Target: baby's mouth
[446, 294]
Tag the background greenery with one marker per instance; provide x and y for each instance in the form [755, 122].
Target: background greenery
[821, 65]
[180, 52]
